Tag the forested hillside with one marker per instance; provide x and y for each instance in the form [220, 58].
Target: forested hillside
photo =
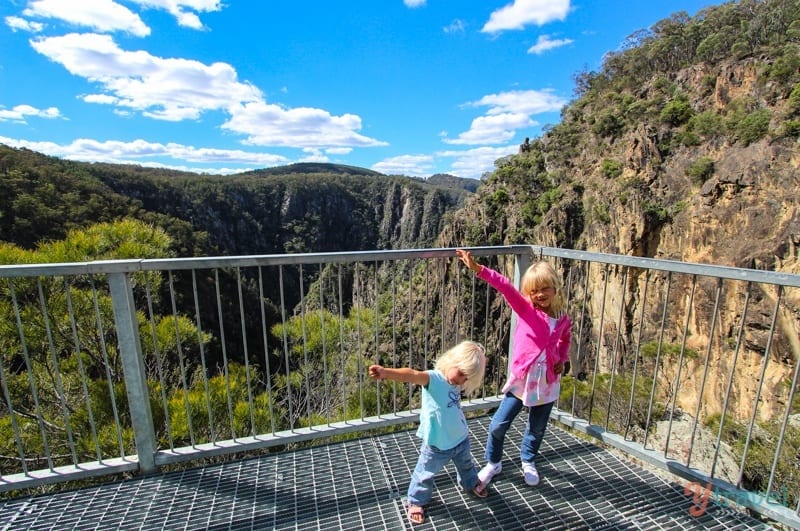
[296, 208]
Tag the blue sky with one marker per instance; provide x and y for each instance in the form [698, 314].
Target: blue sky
[412, 87]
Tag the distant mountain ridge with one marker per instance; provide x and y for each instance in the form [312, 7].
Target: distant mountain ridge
[314, 167]
[304, 207]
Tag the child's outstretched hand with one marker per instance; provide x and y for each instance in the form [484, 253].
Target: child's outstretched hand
[376, 372]
[466, 257]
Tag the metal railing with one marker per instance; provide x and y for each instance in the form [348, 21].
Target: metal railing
[132, 365]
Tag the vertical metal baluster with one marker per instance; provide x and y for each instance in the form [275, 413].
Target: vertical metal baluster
[394, 332]
[246, 352]
[7, 395]
[376, 356]
[159, 362]
[225, 365]
[359, 349]
[410, 326]
[677, 385]
[731, 374]
[636, 354]
[784, 424]
[211, 426]
[186, 403]
[289, 410]
[767, 348]
[711, 330]
[444, 343]
[599, 342]
[616, 346]
[456, 302]
[107, 365]
[426, 322]
[658, 357]
[82, 371]
[341, 347]
[579, 354]
[488, 290]
[567, 305]
[267, 370]
[323, 325]
[304, 332]
[59, 386]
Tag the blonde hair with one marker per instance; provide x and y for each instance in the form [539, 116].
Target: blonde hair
[543, 275]
[470, 358]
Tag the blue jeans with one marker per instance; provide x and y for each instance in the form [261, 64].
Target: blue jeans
[432, 460]
[534, 431]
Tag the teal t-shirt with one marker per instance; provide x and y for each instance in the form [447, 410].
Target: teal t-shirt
[441, 422]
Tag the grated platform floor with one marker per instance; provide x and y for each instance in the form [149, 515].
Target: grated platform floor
[361, 484]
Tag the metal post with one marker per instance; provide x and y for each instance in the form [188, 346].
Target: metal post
[521, 264]
[130, 348]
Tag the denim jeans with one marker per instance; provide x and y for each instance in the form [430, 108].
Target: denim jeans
[432, 460]
[534, 431]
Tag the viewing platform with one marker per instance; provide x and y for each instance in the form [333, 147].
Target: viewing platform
[361, 484]
[232, 393]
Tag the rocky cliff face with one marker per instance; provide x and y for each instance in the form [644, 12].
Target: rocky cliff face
[299, 212]
[645, 190]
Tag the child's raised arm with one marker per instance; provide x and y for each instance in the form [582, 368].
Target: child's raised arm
[403, 374]
[466, 257]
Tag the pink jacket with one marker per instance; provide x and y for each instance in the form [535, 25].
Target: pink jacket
[532, 335]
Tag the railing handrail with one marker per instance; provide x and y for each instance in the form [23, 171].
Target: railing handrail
[118, 274]
[151, 264]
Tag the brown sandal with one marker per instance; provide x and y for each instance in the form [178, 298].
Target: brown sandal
[480, 490]
[416, 514]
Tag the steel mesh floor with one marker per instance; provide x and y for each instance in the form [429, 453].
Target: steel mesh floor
[361, 484]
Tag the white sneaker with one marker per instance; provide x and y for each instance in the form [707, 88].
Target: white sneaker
[489, 471]
[530, 473]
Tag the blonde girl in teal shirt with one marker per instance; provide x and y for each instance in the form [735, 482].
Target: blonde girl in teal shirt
[442, 425]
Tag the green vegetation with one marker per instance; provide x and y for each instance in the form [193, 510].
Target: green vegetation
[701, 169]
[611, 168]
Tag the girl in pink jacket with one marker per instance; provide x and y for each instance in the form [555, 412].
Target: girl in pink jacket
[541, 348]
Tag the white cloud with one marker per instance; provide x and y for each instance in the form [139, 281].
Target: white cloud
[21, 24]
[457, 26]
[521, 13]
[178, 9]
[142, 152]
[507, 113]
[414, 3]
[412, 165]
[160, 88]
[181, 89]
[272, 125]
[105, 99]
[100, 15]
[313, 155]
[473, 163]
[544, 43]
[20, 112]
[339, 151]
[493, 129]
[521, 101]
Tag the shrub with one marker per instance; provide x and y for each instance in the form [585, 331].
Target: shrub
[701, 169]
[607, 124]
[611, 168]
[676, 112]
[753, 127]
[794, 100]
[791, 128]
[707, 124]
